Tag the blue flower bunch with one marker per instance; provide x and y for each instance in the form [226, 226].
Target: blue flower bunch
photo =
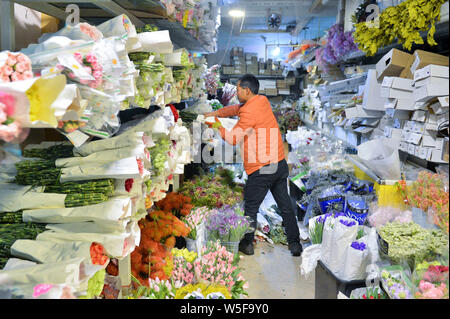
[358, 245]
[227, 224]
[347, 223]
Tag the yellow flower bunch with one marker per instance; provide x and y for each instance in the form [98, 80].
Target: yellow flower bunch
[189, 256]
[203, 289]
[403, 22]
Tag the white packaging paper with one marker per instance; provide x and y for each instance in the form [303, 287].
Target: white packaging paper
[123, 140]
[42, 251]
[67, 272]
[354, 267]
[15, 198]
[114, 209]
[343, 236]
[157, 41]
[120, 169]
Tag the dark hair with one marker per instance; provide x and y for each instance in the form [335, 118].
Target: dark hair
[249, 81]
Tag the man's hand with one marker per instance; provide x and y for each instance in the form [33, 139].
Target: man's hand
[215, 125]
[208, 114]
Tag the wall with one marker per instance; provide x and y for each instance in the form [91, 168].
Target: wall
[27, 26]
[253, 43]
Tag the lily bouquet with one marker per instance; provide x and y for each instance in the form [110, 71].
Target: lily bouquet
[227, 224]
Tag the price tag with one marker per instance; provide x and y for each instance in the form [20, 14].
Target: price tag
[77, 138]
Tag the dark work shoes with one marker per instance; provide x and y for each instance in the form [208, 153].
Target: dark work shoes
[296, 249]
[246, 248]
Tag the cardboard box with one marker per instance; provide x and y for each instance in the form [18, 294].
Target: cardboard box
[271, 92]
[290, 80]
[372, 99]
[284, 91]
[403, 146]
[365, 113]
[423, 152]
[437, 156]
[398, 114]
[430, 91]
[398, 88]
[444, 101]
[351, 112]
[432, 70]
[429, 141]
[415, 138]
[227, 69]
[411, 149]
[392, 64]
[421, 59]
[431, 81]
[419, 127]
[419, 116]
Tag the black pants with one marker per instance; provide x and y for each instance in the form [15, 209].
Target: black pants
[256, 188]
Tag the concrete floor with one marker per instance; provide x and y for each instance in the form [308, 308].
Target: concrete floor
[272, 273]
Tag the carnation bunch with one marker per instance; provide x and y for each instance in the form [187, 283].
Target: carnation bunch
[10, 129]
[16, 67]
[91, 66]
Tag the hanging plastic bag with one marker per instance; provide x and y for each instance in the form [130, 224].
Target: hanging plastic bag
[310, 256]
[382, 157]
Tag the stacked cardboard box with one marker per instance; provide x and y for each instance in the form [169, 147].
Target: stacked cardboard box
[251, 61]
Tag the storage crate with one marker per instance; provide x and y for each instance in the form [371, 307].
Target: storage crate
[327, 285]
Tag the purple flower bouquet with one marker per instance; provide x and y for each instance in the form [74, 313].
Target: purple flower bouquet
[227, 224]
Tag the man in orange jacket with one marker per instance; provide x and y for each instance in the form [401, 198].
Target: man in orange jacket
[263, 157]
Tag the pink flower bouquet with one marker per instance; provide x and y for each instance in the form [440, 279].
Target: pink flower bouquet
[91, 66]
[14, 67]
[10, 129]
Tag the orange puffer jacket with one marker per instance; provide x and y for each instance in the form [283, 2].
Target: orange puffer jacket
[258, 129]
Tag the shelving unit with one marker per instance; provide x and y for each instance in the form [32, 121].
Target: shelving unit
[140, 12]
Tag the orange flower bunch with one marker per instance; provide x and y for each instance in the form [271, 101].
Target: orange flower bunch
[176, 203]
[151, 262]
[153, 259]
[98, 255]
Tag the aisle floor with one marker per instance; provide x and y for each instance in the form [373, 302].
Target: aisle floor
[272, 273]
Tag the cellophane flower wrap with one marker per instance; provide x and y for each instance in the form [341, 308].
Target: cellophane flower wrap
[10, 129]
[194, 219]
[212, 79]
[227, 224]
[91, 66]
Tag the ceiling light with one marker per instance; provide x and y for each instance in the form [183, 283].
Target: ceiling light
[276, 51]
[236, 13]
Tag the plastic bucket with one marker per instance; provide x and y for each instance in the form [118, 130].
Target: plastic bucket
[191, 244]
[231, 246]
